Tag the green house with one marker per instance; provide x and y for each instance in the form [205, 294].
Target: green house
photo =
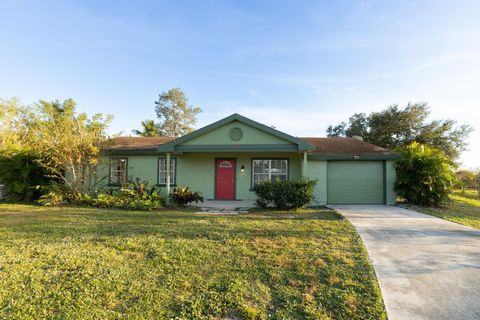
[226, 158]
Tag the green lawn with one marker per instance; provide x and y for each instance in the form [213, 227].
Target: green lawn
[464, 209]
[78, 263]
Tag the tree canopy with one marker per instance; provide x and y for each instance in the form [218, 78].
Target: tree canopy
[68, 143]
[53, 136]
[396, 127]
[176, 116]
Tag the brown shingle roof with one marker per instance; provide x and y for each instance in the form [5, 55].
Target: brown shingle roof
[135, 143]
[345, 146]
[323, 146]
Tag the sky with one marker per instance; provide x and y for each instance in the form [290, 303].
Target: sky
[297, 65]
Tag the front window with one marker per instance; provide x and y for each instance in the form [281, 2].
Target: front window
[118, 171]
[269, 169]
[162, 171]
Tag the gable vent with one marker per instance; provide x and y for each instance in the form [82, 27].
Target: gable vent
[236, 134]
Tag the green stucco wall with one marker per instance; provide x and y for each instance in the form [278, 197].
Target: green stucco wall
[250, 135]
[197, 170]
[141, 166]
[390, 177]
[318, 170]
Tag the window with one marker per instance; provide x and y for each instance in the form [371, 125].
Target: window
[225, 164]
[266, 169]
[118, 171]
[162, 171]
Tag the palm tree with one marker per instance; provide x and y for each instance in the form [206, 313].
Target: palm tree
[150, 129]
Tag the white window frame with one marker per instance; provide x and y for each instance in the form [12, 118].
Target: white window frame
[269, 173]
[120, 179]
[161, 168]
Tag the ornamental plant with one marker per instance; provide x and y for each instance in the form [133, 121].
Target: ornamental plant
[183, 196]
[424, 175]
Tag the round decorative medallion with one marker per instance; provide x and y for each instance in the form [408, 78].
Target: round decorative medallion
[236, 134]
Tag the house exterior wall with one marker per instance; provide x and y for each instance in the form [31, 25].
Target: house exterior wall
[197, 170]
[318, 170]
[390, 177]
[250, 135]
[138, 166]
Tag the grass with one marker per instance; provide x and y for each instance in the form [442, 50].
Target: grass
[464, 208]
[82, 263]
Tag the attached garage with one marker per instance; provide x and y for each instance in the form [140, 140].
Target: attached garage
[355, 182]
[351, 171]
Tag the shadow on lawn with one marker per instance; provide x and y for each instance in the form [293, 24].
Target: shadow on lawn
[169, 225]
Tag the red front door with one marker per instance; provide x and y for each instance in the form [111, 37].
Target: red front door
[225, 179]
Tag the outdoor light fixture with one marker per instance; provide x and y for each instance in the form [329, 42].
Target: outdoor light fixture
[242, 169]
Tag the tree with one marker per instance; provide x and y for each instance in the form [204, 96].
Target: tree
[468, 179]
[19, 170]
[21, 174]
[14, 125]
[67, 144]
[395, 127]
[149, 129]
[424, 175]
[175, 115]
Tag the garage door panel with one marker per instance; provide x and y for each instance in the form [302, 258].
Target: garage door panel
[355, 182]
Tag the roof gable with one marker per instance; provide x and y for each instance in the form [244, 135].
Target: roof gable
[253, 134]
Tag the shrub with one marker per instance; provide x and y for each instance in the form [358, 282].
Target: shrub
[285, 195]
[136, 194]
[20, 173]
[52, 198]
[424, 175]
[183, 196]
[263, 191]
[54, 194]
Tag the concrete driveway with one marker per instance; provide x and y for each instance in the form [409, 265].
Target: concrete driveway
[428, 268]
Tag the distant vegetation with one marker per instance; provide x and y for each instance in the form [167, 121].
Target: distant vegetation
[395, 127]
[175, 116]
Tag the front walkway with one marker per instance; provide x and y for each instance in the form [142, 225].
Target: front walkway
[225, 206]
[428, 268]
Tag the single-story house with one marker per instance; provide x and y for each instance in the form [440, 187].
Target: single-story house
[226, 158]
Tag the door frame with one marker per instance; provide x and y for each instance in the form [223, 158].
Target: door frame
[215, 178]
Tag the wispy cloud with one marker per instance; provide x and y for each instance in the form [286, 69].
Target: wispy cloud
[297, 122]
[320, 83]
[298, 48]
[424, 66]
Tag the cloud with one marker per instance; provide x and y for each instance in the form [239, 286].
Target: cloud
[424, 66]
[324, 83]
[297, 122]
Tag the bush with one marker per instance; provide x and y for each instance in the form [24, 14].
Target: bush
[137, 195]
[20, 174]
[263, 191]
[183, 196]
[424, 175]
[285, 195]
[54, 194]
